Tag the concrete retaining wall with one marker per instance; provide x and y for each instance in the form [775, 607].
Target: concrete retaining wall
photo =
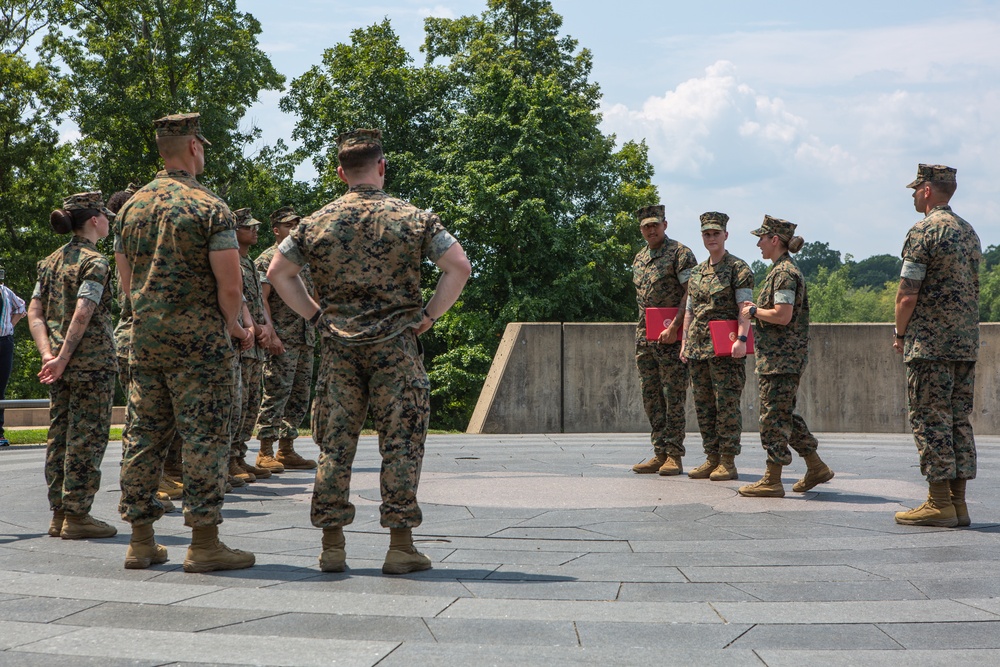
[39, 417]
[581, 378]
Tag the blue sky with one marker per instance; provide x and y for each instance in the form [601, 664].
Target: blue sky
[813, 112]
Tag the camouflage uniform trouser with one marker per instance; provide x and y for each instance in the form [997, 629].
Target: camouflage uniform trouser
[245, 413]
[285, 398]
[664, 380]
[717, 385]
[197, 403]
[780, 427]
[80, 419]
[173, 460]
[390, 378]
[939, 399]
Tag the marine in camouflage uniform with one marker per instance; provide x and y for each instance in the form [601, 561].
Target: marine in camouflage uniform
[366, 250]
[660, 273]
[252, 359]
[70, 315]
[182, 358]
[937, 332]
[288, 375]
[715, 292]
[782, 350]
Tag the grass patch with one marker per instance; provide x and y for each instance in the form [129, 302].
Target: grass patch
[39, 436]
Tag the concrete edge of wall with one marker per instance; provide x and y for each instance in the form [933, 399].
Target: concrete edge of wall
[39, 417]
[494, 378]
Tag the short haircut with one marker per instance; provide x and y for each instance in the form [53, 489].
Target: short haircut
[945, 188]
[170, 146]
[118, 199]
[360, 156]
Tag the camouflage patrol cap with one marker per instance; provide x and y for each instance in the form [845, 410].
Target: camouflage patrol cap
[651, 214]
[713, 220]
[933, 173]
[359, 137]
[783, 229]
[85, 201]
[284, 214]
[133, 187]
[180, 125]
[244, 218]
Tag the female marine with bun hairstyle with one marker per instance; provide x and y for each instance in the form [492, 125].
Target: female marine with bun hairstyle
[70, 320]
[781, 331]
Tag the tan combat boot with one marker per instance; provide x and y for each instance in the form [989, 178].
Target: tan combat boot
[334, 556]
[706, 468]
[726, 469]
[288, 457]
[85, 527]
[817, 472]
[937, 511]
[168, 506]
[958, 500]
[769, 485]
[402, 557]
[236, 471]
[143, 550]
[170, 487]
[652, 465]
[55, 527]
[259, 473]
[208, 554]
[672, 466]
[265, 457]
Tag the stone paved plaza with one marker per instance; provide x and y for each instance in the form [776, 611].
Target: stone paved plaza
[547, 551]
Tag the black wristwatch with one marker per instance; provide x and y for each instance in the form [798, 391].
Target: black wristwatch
[742, 339]
[753, 312]
[314, 320]
[897, 334]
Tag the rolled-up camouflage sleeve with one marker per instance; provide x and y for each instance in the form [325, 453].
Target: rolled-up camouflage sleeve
[291, 250]
[93, 279]
[437, 240]
[916, 255]
[222, 232]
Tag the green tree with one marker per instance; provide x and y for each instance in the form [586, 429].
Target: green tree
[35, 169]
[133, 62]
[816, 255]
[876, 271]
[833, 298]
[499, 133]
[989, 294]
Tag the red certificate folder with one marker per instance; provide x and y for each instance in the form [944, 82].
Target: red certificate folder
[724, 334]
[658, 319]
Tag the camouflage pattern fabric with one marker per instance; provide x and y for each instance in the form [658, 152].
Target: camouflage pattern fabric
[249, 406]
[659, 277]
[663, 378]
[388, 378]
[939, 401]
[291, 328]
[182, 359]
[783, 349]
[253, 293]
[168, 229]
[365, 250]
[79, 421]
[78, 271]
[285, 395]
[712, 296]
[717, 386]
[944, 252]
[780, 427]
[202, 402]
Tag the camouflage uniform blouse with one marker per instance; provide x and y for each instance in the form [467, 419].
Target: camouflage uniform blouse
[78, 271]
[365, 250]
[713, 292]
[783, 349]
[253, 293]
[943, 251]
[291, 327]
[659, 277]
[168, 229]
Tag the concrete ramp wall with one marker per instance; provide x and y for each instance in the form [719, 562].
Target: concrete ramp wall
[581, 378]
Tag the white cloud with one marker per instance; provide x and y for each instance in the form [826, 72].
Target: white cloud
[70, 136]
[437, 11]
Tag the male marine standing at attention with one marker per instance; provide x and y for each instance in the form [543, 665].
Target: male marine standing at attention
[179, 263]
[365, 250]
[937, 332]
[660, 272]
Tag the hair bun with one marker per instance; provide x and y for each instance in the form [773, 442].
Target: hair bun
[61, 221]
[795, 244]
